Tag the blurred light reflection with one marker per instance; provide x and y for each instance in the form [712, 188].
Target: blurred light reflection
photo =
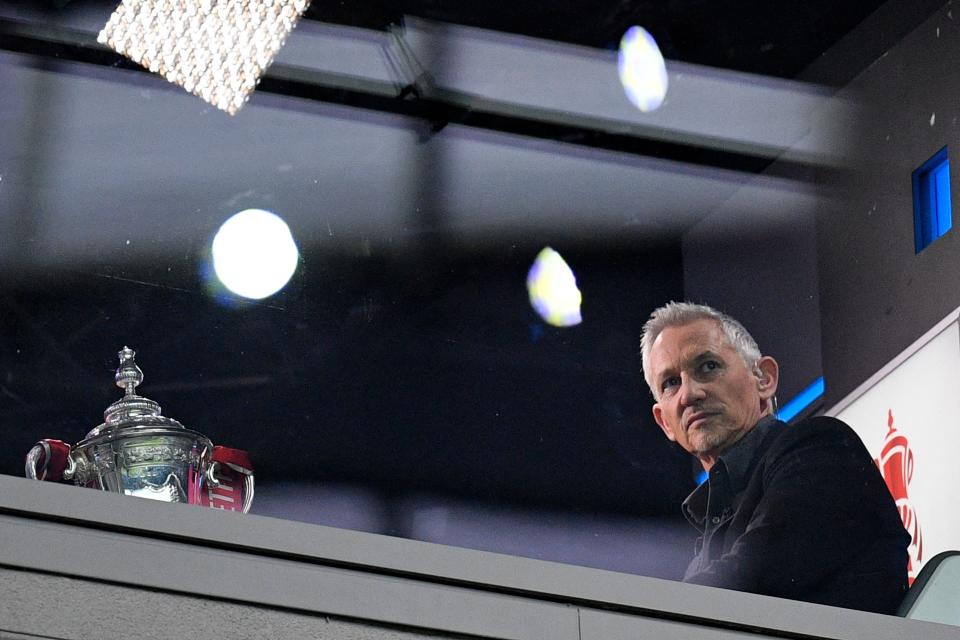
[254, 254]
[643, 72]
[553, 290]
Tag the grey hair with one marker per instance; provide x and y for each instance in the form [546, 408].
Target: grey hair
[674, 314]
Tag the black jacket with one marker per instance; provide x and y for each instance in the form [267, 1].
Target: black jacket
[800, 512]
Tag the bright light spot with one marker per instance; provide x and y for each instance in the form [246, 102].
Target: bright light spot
[643, 72]
[254, 254]
[553, 290]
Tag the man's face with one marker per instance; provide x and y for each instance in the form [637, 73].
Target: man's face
[709, 398]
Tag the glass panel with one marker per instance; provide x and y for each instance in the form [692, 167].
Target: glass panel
[406, 282]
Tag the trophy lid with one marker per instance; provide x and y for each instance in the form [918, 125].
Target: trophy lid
[131, 411]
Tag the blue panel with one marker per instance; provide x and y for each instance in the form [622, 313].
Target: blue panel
[702, 477]
[802, 401]
[929, 222]
[942, 187]
[932, 211]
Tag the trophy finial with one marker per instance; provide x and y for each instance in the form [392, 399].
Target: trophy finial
[131, 406]
[129, 374]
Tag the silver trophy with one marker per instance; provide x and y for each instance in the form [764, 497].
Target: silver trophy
[138, 452]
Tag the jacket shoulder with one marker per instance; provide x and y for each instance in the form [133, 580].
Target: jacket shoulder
[817, 431]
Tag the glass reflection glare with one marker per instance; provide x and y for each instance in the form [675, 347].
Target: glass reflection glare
[254, 254]
[643, 72]
[553, 290]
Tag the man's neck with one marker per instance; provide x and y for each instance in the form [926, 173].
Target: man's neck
[707, 461]
[709, 458]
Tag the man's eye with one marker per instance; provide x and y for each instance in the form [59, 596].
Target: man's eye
[669, 382]
[709, 366]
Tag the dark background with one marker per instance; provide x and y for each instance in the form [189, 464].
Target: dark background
[434, 376]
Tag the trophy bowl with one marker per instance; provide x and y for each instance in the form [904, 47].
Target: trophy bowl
[138, 452]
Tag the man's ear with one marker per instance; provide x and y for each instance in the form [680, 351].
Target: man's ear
[768, 377]
[658, 416]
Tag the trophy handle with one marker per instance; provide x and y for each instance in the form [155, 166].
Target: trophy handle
[223, 477]
[50, 460]
[247, 492]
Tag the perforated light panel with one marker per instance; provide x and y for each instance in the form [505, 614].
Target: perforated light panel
[217, 50]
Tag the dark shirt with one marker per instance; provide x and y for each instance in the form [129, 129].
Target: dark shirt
[800, 512]
[710, 506]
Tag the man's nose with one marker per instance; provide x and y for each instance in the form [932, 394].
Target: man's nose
[691, 391]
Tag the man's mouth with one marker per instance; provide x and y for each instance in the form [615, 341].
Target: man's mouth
[698, 419]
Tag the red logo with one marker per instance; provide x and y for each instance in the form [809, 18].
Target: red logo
[896, 467]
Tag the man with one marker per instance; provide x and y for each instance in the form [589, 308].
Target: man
[795, 511]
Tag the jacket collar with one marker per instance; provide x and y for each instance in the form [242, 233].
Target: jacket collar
[732, 469]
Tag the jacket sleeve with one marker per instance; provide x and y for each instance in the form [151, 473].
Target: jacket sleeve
[819, 503]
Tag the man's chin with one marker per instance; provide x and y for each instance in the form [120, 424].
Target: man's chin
[705, 442]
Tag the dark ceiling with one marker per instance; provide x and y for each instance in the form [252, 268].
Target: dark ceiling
[771, 38]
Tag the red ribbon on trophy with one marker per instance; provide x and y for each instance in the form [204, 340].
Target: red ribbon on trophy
[48, 460]
[896, 467]
[233, 473]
